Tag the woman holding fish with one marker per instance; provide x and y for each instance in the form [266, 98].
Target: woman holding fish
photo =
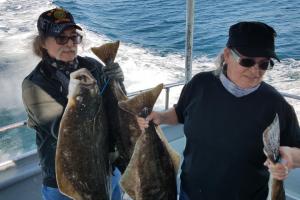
[226, 113]
[45, 89]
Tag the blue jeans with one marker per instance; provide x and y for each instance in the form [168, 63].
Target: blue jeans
[115, 187]
[49, 193]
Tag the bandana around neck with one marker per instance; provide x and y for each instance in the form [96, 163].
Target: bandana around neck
[61, 65]
[234, 89]
[62, 71]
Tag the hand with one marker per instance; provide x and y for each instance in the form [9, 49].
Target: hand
[144, 122]
[280, 170]
[155, 117]
[113, 71]
[77, 78]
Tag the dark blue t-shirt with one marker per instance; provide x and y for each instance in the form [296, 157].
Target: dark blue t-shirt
[223, 157]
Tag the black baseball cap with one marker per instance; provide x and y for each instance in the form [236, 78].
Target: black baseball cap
[253, 39]
[55, 21]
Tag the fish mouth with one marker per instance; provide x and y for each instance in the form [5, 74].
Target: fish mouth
[80, 79]
[86, 81]
[83, 77]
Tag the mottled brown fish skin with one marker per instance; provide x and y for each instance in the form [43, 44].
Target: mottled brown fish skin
[150, 174]
[157, 169]
[278, 192]
[271, 140]
[82, 165]
[123, 127]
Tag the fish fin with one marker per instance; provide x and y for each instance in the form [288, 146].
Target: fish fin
[175, 157]
[64, 185]
[107, 52]
[130, 178]
[145, 99]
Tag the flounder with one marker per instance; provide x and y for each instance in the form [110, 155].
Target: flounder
[122, 126]
[151, 173]
[82, 162]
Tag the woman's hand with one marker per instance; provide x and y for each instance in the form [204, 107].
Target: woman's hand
[144, 122]
[113, 71]
[280, 170]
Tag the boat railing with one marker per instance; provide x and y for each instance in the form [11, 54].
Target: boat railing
[167, 88]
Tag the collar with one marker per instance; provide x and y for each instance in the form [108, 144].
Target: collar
[233, 88]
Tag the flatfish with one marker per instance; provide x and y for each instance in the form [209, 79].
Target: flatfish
[271, 140]
[151, 173]
[82, 161]
[123, 127]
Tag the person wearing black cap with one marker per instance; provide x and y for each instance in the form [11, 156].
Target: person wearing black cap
[45, 89]
[225, 113]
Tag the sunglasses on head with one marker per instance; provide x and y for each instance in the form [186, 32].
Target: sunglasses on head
[249, 62]
[63, 39]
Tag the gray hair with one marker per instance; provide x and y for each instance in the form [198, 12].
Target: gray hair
[219, 63]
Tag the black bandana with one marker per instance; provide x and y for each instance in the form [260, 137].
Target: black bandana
[66, 67]
[62, 71]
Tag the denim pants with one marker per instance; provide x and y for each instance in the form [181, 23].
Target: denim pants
[49, 193]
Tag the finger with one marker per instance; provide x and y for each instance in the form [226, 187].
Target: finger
[268, 163]
[151, 116]
[280, 176]
[142, 123]
[279, 172]
[82, 73]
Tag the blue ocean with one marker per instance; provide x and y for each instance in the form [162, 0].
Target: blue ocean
[152, 49]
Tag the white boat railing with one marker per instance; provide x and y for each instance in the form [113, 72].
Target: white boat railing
[167, 88]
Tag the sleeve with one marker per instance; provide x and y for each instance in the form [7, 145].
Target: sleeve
[291, 133]
[44, 113]
[183, 102]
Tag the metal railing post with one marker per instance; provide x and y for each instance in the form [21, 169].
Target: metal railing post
[167, 98]
[189, 39]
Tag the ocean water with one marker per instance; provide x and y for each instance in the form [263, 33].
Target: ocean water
[152, 35]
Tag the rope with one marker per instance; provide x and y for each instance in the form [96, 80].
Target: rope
[104, 87]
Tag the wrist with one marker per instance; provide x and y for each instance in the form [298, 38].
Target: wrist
[295, 152]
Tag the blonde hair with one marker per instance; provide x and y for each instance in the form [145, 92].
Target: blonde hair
[37, 46]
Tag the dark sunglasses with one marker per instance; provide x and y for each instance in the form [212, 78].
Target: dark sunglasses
[62, 39]
[248, 62]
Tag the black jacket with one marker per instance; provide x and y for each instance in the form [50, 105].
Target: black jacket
[45, 98]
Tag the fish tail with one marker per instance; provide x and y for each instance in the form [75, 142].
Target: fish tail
[278, 192]
[146, 99]
[107, 52]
